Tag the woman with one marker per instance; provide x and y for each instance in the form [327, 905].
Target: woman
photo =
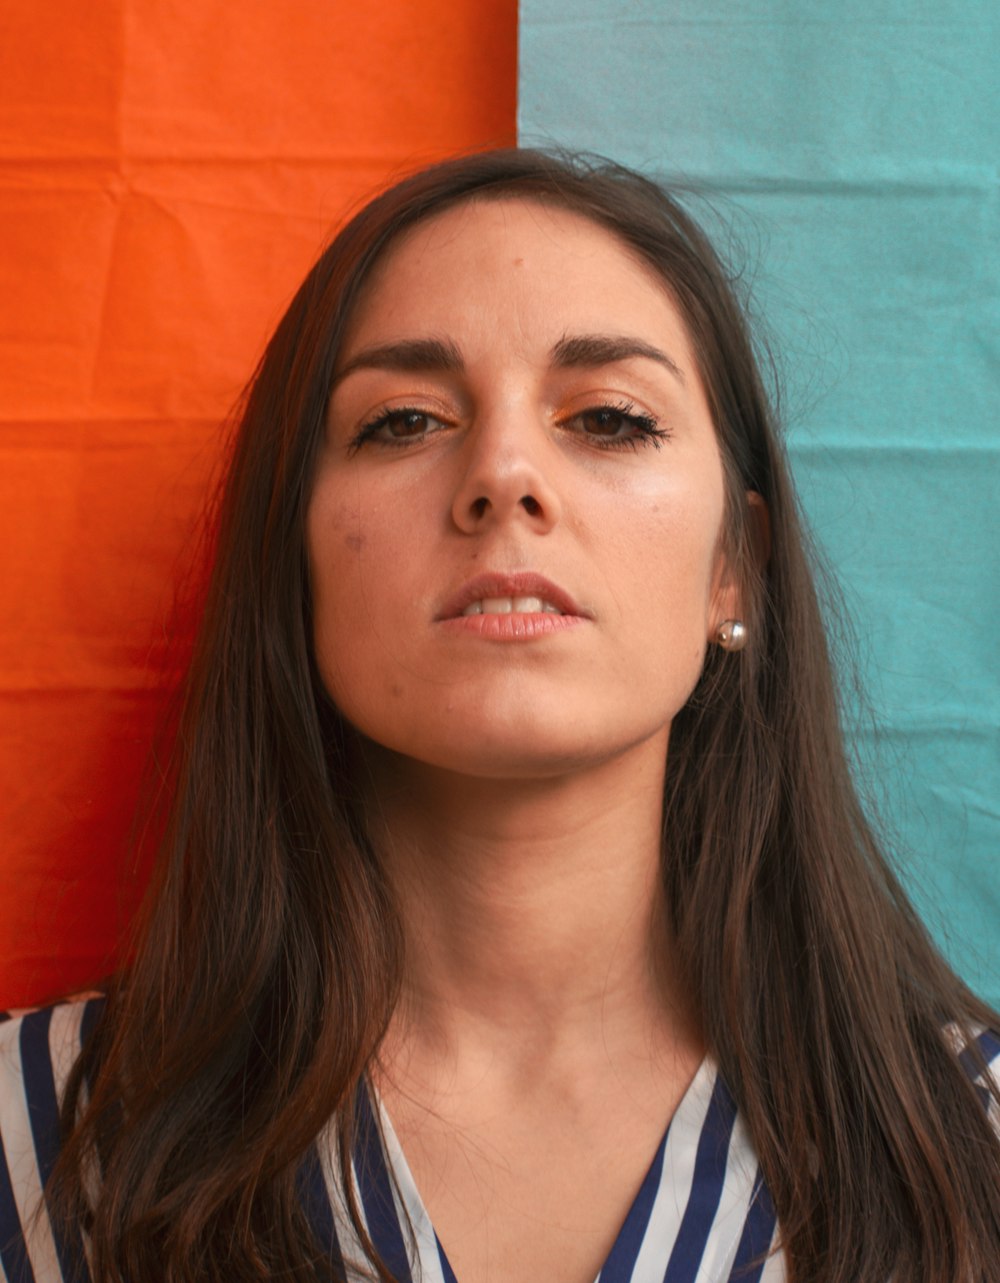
[516, 917]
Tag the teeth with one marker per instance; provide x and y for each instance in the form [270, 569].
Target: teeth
[511, 605]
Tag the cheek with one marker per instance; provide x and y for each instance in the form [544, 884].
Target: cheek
[356, 575]
[336, 544]
[674, 559]
[671, 544]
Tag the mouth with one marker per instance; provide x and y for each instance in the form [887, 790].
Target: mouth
[518, 594]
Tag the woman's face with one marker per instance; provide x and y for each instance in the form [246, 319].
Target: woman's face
[514, 532]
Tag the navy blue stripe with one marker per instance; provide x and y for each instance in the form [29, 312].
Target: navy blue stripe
[706, 1188]
[13, 1254]
[446, 1270]
[43, 1114]
[375, 1185]
[758, 1230]
[315, 1200]
[92, 1010]
[625, 1252]
[40, 1089]
[988, 1045]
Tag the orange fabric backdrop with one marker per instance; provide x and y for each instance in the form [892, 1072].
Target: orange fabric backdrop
[167, 174]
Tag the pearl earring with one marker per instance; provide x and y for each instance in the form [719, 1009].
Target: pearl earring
[731, 634]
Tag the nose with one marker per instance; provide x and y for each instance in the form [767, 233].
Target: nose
[507, 476]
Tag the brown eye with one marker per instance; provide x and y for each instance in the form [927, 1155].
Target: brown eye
[399, 424]
[613, 426]
[397, 428]
[605, 422]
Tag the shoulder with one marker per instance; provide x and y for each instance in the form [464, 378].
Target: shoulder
[37, 1051]
[978, 1052]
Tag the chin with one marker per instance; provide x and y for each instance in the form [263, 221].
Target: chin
[530, 751]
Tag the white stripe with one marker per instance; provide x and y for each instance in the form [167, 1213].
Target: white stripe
[724, 1237]
[65, 1042]
[19, 1145]
[425, 1262]
[355, 1260]
[774, 1270]
[676, 1178]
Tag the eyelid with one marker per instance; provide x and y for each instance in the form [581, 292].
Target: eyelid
[368, 392]
[584, 393]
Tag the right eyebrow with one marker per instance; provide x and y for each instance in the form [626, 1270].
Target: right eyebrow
[413, 355]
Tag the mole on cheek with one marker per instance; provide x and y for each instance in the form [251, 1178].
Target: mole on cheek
[354, 542]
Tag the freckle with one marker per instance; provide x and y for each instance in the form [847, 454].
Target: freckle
[518, 262]
[397, 690]
[354, 542]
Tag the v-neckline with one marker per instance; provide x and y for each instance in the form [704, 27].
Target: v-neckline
[694, 1152]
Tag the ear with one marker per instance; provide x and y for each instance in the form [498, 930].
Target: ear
[728, 589]
[759, 522]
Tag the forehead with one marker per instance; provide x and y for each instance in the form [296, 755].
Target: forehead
[519, 262]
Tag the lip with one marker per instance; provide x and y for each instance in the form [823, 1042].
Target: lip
[522, 584]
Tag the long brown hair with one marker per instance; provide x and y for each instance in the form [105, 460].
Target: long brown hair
[269, 954]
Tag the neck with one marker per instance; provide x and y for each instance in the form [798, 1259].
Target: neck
[529, 906]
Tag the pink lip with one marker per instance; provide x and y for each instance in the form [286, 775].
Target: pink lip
[511, 628]
[523, 584]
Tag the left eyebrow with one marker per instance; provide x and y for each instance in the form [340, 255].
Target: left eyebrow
[606, 349]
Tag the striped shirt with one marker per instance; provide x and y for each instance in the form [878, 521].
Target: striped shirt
[701, 1215]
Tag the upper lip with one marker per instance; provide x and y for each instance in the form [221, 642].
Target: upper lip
[522, 584]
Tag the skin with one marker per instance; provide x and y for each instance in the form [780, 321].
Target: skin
[515, 785]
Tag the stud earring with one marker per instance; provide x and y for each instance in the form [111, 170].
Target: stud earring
[731, 634]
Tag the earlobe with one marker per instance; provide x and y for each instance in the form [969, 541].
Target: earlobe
[727, 600]
[726, 626]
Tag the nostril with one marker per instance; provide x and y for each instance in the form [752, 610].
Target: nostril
[531, 505]
[479, 506]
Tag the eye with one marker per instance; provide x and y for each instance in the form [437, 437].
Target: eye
[396, 427]
[617, 426]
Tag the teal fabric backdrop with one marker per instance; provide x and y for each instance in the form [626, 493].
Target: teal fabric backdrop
[852, 146]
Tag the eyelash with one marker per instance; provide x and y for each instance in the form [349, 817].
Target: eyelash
[646, 429]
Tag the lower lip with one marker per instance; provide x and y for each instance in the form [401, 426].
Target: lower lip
[512, 627]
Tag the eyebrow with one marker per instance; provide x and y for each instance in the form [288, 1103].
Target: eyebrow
[430, 355]
[606, 349]
[411, 355]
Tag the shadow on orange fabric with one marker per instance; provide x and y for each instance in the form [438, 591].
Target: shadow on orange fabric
[166, 178]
